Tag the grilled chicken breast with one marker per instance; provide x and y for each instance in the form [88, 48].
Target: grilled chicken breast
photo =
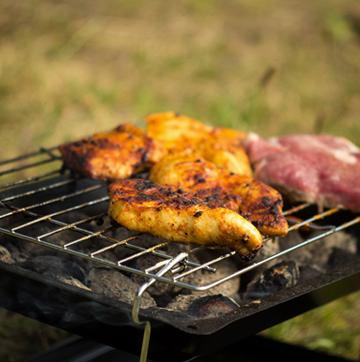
[257, 202]
[175, 215]
[116, 154]
[174, 131]
[222, 146]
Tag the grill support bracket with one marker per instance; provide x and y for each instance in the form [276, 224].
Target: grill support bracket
[137, 302]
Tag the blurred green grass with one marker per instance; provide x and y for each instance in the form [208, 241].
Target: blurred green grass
[69, 68]
[334, 328]
[21, 338]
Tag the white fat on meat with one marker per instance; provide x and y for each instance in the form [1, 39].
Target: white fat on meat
[344, 156]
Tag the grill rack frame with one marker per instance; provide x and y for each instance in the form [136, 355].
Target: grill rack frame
[48, 156]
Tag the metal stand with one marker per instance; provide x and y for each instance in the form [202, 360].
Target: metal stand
[137, 302]
[251, 349]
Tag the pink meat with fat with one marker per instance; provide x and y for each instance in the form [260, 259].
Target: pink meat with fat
[316, 168]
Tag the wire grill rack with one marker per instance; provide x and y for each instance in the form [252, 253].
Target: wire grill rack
[42, 203]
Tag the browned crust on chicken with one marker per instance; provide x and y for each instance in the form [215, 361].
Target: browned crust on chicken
[142, 191]
[218, 197]
[116, 154]
[257, 202]
[260, 204]
[178, 216]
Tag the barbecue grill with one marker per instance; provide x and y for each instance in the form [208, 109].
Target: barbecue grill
[46, 205]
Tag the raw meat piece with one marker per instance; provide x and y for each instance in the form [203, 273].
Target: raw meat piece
[314, 168]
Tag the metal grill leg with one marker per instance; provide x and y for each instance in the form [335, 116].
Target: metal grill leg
[137, 303]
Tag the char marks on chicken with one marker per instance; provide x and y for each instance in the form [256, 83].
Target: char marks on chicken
[116, 154]
[175, 215]
[217, 187]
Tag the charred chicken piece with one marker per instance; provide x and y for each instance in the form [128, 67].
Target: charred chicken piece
[260, 204]
[178, 216]
[257, 202]
[116, 154]
[222, 146]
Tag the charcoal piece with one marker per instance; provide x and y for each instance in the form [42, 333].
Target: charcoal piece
[223, 269]
[117, 231]
[143, 241]
[5, 255]
[16, 254]
[203, 307]
[309, 273]
[13, 247]
[342, 257]
[269, 248]
[212, 306]
[62, 269]
[20, 250]
[317, 254]
[281, 275]
[116, 285]
[93, 225]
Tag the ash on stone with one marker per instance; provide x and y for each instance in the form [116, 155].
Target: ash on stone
[317, 254]
[281, 275]
[203, 307]
[116, 285]
[74, 282]
[5, 255]
[223, 269]
[182, 302]
[269, 248]
[13, 247]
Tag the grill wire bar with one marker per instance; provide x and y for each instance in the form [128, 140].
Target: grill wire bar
[13, 192]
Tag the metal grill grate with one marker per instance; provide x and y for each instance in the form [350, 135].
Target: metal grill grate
[46, 206]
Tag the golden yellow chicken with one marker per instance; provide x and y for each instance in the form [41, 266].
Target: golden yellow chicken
[174, 215]
[257, 202]
[116, 154]
[222, 146]
[174, 131]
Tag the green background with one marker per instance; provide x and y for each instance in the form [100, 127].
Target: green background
[69, 68]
